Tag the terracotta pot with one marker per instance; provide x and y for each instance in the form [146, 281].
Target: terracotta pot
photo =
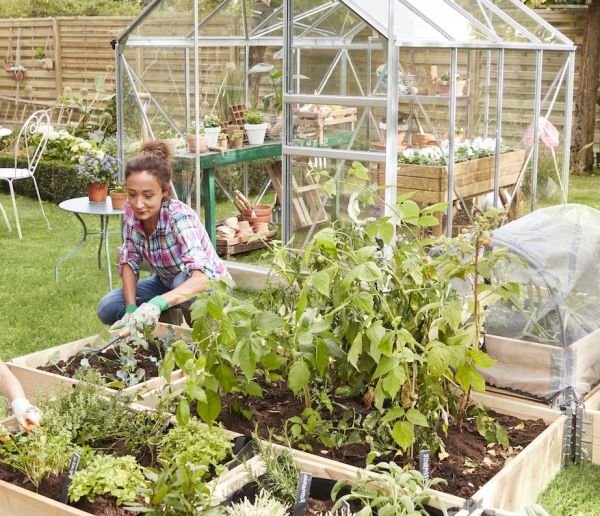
[232, 128]
[118, 200]
[238, 143]
[171, 144]
[444, 88]
[191, 141]
[97, 192]
[260, 210]
[223, 144]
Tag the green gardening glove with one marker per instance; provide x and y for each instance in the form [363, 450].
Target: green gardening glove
[144, 318]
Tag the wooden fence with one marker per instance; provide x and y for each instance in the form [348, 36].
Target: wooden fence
[80, 52]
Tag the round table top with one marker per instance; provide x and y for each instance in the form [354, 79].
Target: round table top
[5, 131]
[84, 206]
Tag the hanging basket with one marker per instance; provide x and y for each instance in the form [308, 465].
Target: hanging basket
[47, 63]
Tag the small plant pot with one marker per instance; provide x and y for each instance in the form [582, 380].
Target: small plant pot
[232, 128]
[256, 133]
[171, 144]
[444, 88]
[212, 136]
[223, 144]
[191, 141]
[97, 192]
[238, 143]
[118, 200]
[426, 140]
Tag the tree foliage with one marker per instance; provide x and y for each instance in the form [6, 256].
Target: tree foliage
[43, 8]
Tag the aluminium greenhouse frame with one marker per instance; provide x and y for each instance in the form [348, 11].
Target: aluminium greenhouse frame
[382, 16]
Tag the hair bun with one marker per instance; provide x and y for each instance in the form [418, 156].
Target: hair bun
[157, 148]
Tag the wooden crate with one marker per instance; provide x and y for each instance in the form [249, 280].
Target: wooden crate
[35, 381]
[471, 178]
[540, 370]
[309, 122]
[227, 247]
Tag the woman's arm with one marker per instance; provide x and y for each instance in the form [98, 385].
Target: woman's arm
[129, 279]
[196, 283]
[9, 385]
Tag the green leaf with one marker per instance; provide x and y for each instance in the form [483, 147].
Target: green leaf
[433, 208]
[182, 354]
[298, 376]
[365, 253]
[375, 333]
[416, 417]
[183, 412]
[272, 361]
[481, 358]
[355, 350]
[386, 231]
[501, 435]
[403, 434]
[467, 376]
[385, 365]
[254, 389]
[321, 282]
[245, 358]
[410, 211]
[321, 357]
[302, 302]
[359, 171]
[167, 365]
[268, 322]
[394, 381]
[428, 221]
[391, 414]
[210, 410]
[363, 301]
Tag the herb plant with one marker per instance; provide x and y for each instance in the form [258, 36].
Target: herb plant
[119, 477]
[263, 505]
[38, 454]
[196, 444]
[210, 121]
[254, 117]
[281, 475]
[387, 489]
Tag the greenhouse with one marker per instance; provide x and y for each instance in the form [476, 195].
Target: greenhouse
[483, 96]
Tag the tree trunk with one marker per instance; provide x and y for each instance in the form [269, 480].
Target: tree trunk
[586, 97]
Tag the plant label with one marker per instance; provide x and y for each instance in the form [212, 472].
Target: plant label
[75, 460]
[424, 459]
[302, 494]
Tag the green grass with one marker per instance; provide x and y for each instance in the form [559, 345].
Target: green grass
[574, 491]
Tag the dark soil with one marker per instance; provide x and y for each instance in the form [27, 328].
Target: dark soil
[469, 466]
[108, 363]
[52, 488]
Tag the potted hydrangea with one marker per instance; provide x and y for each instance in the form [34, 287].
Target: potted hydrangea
[100, 170]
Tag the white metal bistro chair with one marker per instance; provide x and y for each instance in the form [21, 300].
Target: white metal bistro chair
[37, 123]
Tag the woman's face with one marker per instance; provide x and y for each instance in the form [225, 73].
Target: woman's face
[145, 195]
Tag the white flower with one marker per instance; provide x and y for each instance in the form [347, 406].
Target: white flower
[85, 145]
[53, 135]
[408, 153]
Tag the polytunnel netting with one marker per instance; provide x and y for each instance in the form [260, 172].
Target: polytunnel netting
[547, 341]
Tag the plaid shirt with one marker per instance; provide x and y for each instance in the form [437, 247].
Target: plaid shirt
[178, 244]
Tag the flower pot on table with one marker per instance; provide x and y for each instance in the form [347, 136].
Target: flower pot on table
[118, 200]
[97, 192]
[256, 133]
[212, 136]
[191, 141]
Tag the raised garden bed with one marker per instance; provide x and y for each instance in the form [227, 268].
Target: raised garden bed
[212, 451]
[53, 367]
[538, 369]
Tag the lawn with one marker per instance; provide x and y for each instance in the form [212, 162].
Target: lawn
[36, 312]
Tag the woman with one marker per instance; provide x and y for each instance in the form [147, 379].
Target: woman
[27, 415]
[169, 236]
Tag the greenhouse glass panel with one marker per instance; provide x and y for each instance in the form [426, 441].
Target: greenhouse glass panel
[170, 18]
[526, 20]
[226, 21]
[265, 19]
[496, 21]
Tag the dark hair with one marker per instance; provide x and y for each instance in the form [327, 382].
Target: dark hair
[154, 158]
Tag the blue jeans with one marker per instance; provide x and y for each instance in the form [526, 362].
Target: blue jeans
[111, 307]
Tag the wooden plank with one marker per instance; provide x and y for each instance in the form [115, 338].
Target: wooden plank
[523, 479]
[18, 501]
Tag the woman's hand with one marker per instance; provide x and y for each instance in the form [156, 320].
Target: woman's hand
[144, 318]
[27, 414]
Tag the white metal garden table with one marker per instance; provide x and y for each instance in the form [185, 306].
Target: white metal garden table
[83, 206]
